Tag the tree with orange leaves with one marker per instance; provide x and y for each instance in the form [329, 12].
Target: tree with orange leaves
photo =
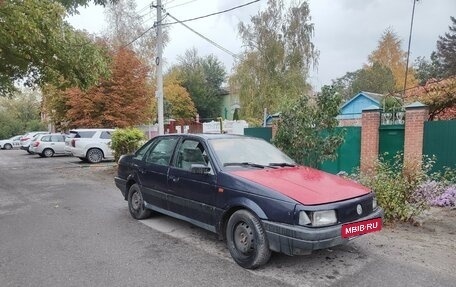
[123, 100]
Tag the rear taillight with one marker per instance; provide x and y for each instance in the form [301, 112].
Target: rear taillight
[73, 143]
[35, 144]
[24, 139]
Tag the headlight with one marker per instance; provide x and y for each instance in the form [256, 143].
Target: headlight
[304, 218]
[374, 203]
[324, 217]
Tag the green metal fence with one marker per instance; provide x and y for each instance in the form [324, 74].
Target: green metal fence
[348, 154]
[440, 141]
[264, 133]
[391, 141]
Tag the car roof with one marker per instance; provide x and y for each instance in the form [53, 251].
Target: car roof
[89, 130]
[50, 134]
[209, 136]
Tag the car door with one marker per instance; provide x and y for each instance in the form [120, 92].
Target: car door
[153, 170]
[105, 140]
[58, 143]
[192, 194]
[16, 142]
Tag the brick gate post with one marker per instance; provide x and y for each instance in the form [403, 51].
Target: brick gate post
[415, 116]
[370, 123]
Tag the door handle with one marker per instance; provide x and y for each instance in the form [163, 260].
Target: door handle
[174, 178]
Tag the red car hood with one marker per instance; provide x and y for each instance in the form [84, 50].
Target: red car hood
[305, 185]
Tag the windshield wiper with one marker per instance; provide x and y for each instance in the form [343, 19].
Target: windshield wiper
[252, 164]
[281, 164]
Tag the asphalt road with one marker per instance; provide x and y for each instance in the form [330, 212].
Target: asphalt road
[64, 223]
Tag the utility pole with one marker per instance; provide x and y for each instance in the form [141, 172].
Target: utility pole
[158, 62]
[408, 49]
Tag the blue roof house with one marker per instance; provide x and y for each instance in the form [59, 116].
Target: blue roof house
[352, 109]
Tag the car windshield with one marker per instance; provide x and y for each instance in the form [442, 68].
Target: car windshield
[249, 152]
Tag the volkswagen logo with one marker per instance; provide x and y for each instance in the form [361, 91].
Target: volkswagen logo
[359, 209]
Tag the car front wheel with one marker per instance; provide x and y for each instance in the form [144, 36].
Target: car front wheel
[246, 240]
[94, 155]
[7, 146]
[136, 203]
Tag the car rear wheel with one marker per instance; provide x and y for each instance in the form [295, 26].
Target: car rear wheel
[94, 155]
[136, 203]
[48, 152]
[246, 240]
[7, 146]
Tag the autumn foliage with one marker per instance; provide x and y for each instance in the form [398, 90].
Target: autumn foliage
[121, 101]
[439, 95]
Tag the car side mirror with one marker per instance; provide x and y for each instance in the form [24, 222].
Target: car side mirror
[200, 168]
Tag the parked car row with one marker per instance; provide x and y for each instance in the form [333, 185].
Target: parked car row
[89, 145]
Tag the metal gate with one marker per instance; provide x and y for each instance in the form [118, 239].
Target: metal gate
[348, 154]
[391, 141]
[440, 141]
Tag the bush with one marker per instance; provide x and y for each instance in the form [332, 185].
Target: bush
[125, 141]
[402, 195]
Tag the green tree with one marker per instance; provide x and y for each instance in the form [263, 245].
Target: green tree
[275, 65]
[72, 5]
[306, 130]
[38, 46]
[20, 113]
[377, 79]
[428, 69]
[203, 78]
[446, 50]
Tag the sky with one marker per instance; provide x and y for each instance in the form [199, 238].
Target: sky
[345, 31]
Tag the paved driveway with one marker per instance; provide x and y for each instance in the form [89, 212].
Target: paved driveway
[63, 223]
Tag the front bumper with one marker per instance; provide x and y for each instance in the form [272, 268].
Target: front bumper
[296, 240]
[122, 185]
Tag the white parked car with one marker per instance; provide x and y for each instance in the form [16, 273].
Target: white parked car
[10, 143]
[27, 139]
[90, 145]
[46, 145]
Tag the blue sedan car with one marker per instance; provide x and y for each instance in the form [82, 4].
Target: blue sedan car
[248, 192]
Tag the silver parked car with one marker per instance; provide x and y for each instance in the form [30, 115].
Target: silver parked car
[10, 143]
[27, 139]
[46, 145]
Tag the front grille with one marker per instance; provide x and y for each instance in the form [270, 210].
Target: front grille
[347, 212]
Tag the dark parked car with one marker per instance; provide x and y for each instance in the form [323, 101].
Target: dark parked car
[247, 191]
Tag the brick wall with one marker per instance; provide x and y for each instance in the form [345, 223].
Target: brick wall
[369, 139]
[414, 133]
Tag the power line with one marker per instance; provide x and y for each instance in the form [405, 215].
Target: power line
[142, 34]
[213, 14]
[185, 3]
[204, 37]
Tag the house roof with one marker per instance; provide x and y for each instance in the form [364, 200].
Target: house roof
[372, 96]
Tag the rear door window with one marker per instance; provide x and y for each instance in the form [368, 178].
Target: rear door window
[46, 138]
[57, 138]
[105, 135]
[85, 134]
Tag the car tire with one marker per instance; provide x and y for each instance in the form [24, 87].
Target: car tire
[7, 146]
[47, 152]
[94, 155]
[246, 240]
[136, 203]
